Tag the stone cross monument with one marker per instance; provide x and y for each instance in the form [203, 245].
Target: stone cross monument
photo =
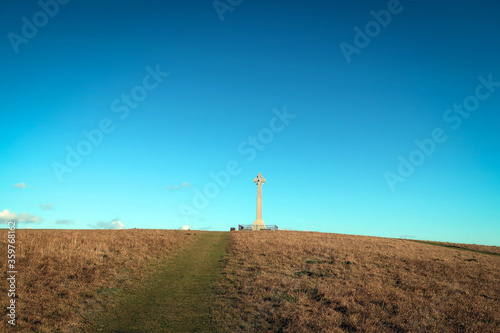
[259, 224]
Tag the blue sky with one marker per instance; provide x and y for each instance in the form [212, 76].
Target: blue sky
[369, 117]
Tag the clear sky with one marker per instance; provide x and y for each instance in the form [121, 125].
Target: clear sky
[366, 117]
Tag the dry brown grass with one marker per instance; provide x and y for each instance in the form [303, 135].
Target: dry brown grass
[66, 276]
[315, 282]
[470, 247]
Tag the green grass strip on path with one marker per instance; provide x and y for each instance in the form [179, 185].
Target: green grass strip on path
[177, 297]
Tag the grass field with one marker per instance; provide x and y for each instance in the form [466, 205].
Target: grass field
[176, 298]
[315, 282]
[65, 277]
[283, 281]
[491, 250]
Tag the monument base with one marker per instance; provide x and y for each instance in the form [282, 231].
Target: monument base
[258, 225]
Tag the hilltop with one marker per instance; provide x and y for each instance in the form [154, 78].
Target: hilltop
[318, 282]
[280, 281]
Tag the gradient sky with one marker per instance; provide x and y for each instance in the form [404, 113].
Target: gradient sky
[331, 163]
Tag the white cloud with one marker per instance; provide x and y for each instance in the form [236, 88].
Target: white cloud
[185, 227]
[47, 206]
[6, 216]
[64, 221]
[19, 185]
[177, 187]
[29, 218]
[113, 224]
[407, 236]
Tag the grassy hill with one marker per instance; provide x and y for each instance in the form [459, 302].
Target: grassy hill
[66, 277]
[281, 281]
[316, 282]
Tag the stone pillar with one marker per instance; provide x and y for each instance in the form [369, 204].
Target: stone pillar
[259, 223]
